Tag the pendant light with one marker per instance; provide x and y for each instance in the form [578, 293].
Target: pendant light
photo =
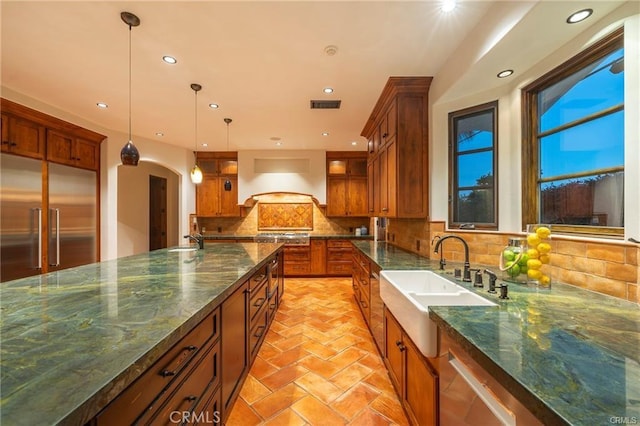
[129, 154]
[196, 172]
[227, 183]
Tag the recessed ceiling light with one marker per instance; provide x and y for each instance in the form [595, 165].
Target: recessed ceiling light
[328, 90]
[448, 5]
[169, 59]
[102, 105]
[325, 133]
[505, 73]
[159, 134]
[205, 145]
[214, 106]
[278, 143]
[579, 16]
[354, 143]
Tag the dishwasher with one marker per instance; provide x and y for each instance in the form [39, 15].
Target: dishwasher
[377, 308]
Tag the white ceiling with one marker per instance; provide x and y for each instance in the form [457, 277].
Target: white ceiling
[261, 61]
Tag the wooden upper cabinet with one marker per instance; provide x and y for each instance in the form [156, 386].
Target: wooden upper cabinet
[398, 127]
[24, 137]
[71, 150]
[347, 183]
[217, 195]
[30, 133]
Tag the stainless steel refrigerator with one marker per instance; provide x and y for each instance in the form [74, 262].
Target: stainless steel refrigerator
[48, 217]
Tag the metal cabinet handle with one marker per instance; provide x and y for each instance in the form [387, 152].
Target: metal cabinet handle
[259, 331]
[55, 212]
[259, 302]
[400, 345]
[179, 360]
[38, 263]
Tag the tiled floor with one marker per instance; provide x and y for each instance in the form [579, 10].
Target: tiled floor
[318, 364]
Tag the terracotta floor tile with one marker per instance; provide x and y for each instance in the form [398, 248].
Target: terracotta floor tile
[350, 403]
[347, 357]
[390, 407]
[350, 375]
[262, 368]
[284, 376]
[287, 417]
[289, 357]
[242, 414]
[317, 413]
[319, 366]
[319, 387]
[252, 390]
[279, 400]
[318, 349]
[369, 417]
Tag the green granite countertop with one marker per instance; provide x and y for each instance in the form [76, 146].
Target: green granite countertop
[73, 339]
[238, 237]
[570, 355]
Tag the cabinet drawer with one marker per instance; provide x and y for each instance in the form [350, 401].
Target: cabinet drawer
[192, 389]
[258, 297]
[273, 304]
[339, 253]
[339, 244]
[209, 408]
[294, 268]
[297, 254]
[258, 330]
[339, 268]
[162, 377]
[258, 279]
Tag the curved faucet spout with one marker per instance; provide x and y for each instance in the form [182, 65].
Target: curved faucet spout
[467, 273]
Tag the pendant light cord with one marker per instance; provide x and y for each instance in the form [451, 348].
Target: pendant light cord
[129, 83]
[195, 107]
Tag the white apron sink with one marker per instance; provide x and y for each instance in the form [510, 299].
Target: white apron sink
[408, 295]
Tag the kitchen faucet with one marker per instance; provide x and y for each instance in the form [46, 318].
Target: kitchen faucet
[198, 238]
[467, 273]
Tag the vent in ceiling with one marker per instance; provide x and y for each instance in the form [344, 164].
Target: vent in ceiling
[325, 104]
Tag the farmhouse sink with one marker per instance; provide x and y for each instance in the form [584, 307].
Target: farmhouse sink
[408, 295]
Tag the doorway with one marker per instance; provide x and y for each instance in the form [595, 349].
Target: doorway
[157, 212]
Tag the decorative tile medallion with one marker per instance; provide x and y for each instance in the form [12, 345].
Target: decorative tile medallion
[292, 216]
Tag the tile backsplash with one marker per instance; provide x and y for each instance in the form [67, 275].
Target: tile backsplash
[605, 267]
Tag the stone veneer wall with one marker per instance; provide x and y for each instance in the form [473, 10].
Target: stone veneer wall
[248, 224]
[605, 267]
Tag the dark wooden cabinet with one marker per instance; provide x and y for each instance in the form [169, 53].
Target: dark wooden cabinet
[318, 259]
[217, 194]
[415, 381]
[347, 183]
[71, 150]
[362, 289]
[235, 360]
[21, 136]
[398, 150]
[194, 361]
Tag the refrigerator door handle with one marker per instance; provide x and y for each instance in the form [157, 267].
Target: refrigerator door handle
[57, 213]
[38, 263]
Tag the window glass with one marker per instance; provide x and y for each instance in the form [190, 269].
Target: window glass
[473, 143]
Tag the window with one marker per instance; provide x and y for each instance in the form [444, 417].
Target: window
[573, 143]
[472, 161]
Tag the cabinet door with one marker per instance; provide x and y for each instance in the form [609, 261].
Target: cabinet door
[233, 344]
[87, 154]
[391, 180]
[60, 148]
[23, 137]
[383, 186]
[337, 196]
[357, 197]
[228, 199]
[318, 257]
[389, 124]
[207, 196]
[371, 186]
[394, 352]
[420, 388]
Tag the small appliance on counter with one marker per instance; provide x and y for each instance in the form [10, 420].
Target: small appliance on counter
[379, 229]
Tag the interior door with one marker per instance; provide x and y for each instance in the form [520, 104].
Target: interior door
[157, 212]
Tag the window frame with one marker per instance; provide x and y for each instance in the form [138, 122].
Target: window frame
[530, 153]
[453, 168]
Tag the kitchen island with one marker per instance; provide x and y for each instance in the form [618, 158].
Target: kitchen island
[570, 356]
[73, 340]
